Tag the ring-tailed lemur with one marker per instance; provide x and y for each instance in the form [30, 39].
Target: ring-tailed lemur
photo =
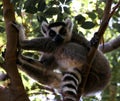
[69, 55]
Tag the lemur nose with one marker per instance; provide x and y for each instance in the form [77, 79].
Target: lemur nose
[58, 39]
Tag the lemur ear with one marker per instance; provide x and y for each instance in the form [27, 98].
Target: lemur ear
[44, 28]
[69, 24]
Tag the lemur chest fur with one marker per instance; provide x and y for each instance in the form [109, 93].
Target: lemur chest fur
[70, 57]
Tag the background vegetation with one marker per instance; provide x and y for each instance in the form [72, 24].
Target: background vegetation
[86, 15]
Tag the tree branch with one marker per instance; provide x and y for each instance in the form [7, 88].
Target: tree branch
[93, 49]
[114, 9]
[111, 45]
[115, 43]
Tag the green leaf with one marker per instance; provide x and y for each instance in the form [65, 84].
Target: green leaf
[65, 1]
[2, 29]
[52, 11]
[1, 10]
[41, 5]
[41, 18]
[67, 10]
[68, 1]
[88, 25]
[14, 1]
[60, 17]
[92, 15]
[30, 6]
[18, 8]
[62, 1]
[116, 26]
[80, 19]
[99, 12]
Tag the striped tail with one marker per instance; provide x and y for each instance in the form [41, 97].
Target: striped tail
[70, 84]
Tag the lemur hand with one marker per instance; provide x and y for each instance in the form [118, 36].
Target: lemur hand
[21, 30]
[17, 26]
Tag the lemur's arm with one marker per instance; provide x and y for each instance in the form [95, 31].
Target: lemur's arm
[45, 44]
[41, 44]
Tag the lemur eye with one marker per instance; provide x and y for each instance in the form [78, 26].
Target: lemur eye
[63, 31]
[52, 33]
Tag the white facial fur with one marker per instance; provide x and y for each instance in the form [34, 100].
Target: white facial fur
[56, 29]
[69, 28]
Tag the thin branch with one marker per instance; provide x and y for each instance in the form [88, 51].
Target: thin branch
[93, 49]
[111, 45]
[115, 43]
[114, 9]
[105, 20]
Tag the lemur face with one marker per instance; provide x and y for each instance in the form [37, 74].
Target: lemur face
[59, 32]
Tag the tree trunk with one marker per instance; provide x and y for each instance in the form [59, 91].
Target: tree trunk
[15, 91]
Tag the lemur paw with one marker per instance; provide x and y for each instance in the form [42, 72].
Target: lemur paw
[95, 40]
[17, 26]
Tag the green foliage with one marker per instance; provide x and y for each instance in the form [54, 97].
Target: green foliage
[116, 26]
[2, 29]
[86, 15]
[41, 5]
[88, 25]
[51, 11]
[30, 6]
[80, 19]
[92, 15]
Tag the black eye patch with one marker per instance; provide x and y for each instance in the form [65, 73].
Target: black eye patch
[63, 31]
[52, 33]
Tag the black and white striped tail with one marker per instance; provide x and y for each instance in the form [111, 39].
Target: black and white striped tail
[70, 84]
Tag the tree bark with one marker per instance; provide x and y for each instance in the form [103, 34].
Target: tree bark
[15, 91]
[111, 45]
